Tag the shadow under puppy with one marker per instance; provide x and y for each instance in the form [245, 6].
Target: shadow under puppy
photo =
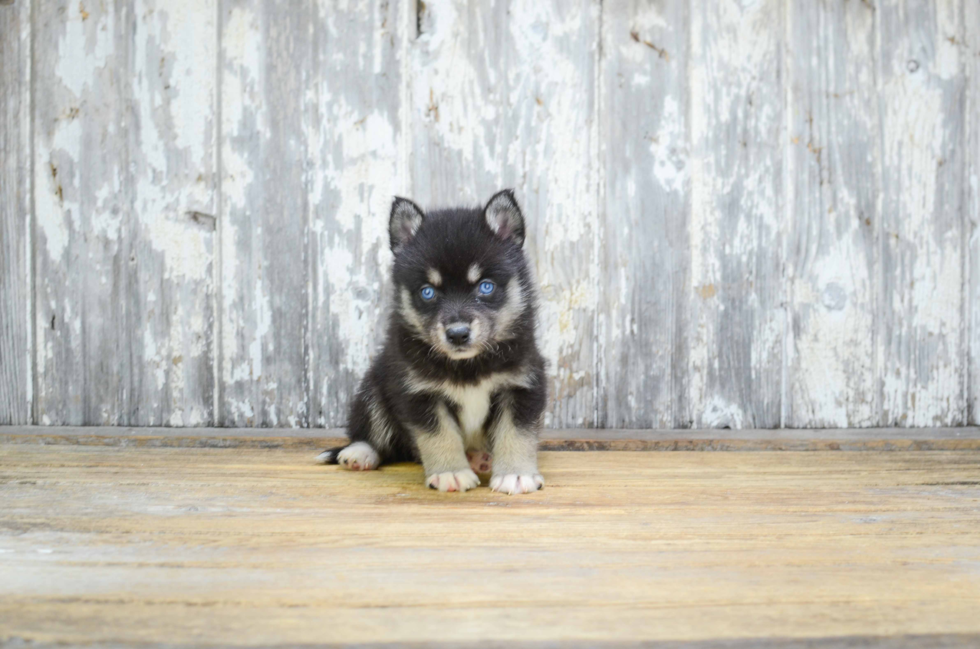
[460, 383]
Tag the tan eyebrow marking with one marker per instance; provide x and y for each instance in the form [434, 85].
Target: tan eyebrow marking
[434, 277]
[473, 275]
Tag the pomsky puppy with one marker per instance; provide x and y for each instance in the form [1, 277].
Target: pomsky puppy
[460, 383]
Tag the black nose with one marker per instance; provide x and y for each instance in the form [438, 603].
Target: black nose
[458, 335]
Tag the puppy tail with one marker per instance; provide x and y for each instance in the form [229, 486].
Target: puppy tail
[329, 456]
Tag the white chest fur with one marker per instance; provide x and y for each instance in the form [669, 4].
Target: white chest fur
[472, 401]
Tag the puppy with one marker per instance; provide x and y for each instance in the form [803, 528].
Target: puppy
[460, 384]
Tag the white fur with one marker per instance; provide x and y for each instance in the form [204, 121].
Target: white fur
[453, 480]
[474, 273]
[515, 457]
[442, 451]
[513, 484]
[359, 456]
[435, 277]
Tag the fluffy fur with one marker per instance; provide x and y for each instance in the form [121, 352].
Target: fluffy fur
[459, 385]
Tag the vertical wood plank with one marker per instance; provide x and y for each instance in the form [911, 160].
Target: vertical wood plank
[643, 249]
[507, 99]
[354, 139]
[922, 92]
[737, 130]
[123, 147]
[172, 159]
[832, 214]
[83, 198]
[266, 50]
[971, 53]
[16, 380]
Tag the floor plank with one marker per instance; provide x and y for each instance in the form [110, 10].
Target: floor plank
[246, 547]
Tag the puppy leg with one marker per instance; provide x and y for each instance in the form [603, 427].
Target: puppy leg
[515, 455]
[443, 455]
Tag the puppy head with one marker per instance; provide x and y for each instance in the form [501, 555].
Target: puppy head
[460, 274]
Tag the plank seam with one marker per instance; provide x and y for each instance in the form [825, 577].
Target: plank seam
[876, 247]
[788, 198]
[598, 161]
[216, 259]
[966, 323]
[32, 349]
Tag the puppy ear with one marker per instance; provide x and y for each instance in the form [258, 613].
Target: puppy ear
[406, 217]
[504, 217]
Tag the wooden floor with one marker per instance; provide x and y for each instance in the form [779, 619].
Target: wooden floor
[115, 545]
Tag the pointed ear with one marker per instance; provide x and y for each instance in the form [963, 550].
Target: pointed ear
[504, 217]
[406, 217]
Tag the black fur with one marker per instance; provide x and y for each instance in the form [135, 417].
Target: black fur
[385, 411]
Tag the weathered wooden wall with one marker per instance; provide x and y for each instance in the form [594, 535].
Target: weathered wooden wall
[742, 213]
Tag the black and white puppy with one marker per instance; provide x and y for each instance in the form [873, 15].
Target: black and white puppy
[460, 383]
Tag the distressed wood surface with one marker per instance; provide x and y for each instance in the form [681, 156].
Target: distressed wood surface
[923, 237]
[736, 224]
[970, 51]
[266, 50]
[498, 97]
[740, 214]
[833, 214]
[173, 160]
[355, 149]
[123, 151]
[192, 547]
[85, 292]
[644, 240]
[16, 303]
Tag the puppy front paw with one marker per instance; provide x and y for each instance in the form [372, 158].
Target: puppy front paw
[453, 480]
[513, 483]
[359, 456]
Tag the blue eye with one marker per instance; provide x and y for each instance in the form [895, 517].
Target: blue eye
[486, 287]
[428, 293]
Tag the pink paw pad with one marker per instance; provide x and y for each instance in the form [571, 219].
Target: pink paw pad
[480, 461]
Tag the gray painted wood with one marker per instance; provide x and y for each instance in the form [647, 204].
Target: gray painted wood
[498, 98]
[833, 215]
[355, 151]
[266, 51]
[83, 195]
[736, 223]
[922, 364]
[741, 214]
[123, 152]
[644, 241]
[970, 51]
[16, 381]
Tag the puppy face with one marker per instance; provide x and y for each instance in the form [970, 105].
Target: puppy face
[459, 274]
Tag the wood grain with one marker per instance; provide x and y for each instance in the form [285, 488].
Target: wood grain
[833, 215]
[248, 548]
[643, 238]
[736, 227]
[266, 49]
[16, 272]
[970, 48]
[355, 148]
[123, 151]
[497, 99]
[923, 242]
[741, 214]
